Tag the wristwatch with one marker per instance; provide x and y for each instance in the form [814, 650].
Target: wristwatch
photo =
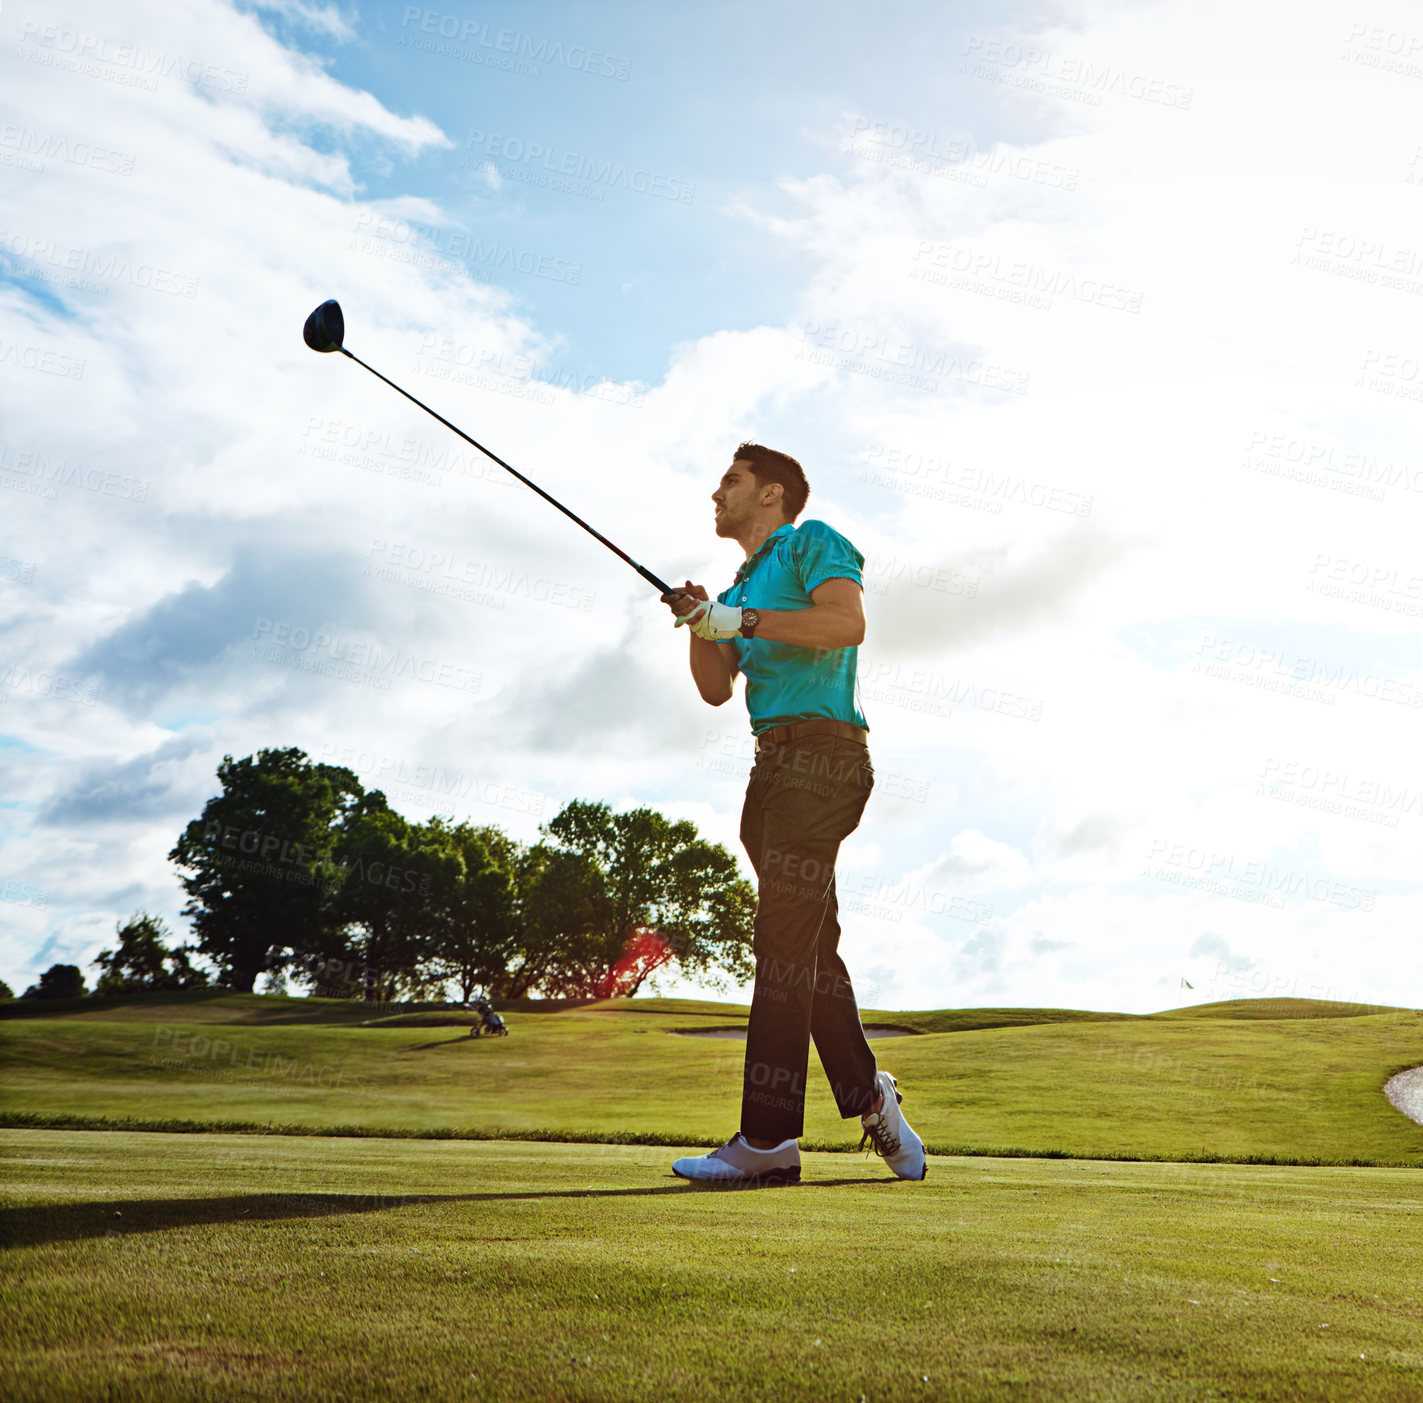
[750, 621]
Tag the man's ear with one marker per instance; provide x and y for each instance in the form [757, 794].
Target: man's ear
[777, 488]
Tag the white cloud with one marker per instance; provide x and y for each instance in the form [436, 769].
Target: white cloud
[1114, 481]
[975, 862]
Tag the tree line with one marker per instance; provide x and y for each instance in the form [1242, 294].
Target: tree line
[296, 870]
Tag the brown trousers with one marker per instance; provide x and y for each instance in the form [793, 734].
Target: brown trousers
[804, 798]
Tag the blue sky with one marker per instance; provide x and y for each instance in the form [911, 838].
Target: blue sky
[719, 102]
[1094, 325]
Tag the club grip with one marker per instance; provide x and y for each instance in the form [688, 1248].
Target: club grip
[663, 588]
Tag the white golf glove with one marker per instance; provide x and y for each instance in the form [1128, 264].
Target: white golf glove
[714, 622]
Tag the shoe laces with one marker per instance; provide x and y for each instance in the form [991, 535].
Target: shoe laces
[886, 1142]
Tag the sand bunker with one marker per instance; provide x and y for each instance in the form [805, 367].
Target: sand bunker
[1406, 1092]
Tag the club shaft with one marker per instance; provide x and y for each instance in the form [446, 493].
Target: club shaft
[662, 586]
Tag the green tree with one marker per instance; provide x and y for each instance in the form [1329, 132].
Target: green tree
[259, 861]
[563, 914]
[476, 930]
[57, 982]
[143, 961]
[6, 992]
[619, 896]
[399, 883]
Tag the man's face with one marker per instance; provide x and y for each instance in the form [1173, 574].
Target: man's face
[737, 498]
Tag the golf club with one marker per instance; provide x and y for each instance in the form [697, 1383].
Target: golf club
[325, 330]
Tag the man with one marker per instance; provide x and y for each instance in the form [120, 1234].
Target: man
[792, 623]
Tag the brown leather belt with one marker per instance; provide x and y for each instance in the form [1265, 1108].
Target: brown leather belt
[794, 730]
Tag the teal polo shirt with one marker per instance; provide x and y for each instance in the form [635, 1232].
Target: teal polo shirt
[785, 682]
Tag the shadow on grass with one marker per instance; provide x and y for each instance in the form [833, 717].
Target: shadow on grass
[119, 1218]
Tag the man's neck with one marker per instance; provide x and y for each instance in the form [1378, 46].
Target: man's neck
[755, 534]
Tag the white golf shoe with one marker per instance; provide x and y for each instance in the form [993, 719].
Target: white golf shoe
[893, 1137]
[737, 1163]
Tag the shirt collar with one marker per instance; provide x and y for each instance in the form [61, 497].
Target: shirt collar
[751, 561]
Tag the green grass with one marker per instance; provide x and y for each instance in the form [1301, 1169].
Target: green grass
[444, 1018]
[1191, 1084]
[1279, 1008]
[221, 1006]
[208, 1267]
[214, 1266]
[193, 1005]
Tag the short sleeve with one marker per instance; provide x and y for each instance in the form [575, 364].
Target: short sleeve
[821, 553]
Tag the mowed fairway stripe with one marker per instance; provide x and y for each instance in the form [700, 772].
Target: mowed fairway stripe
[258, 1267]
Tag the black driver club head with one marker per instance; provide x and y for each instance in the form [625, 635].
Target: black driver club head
[325, 328]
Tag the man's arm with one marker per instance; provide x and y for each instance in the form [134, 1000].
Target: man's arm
[714, 665]
[713, 670]
[835, 619]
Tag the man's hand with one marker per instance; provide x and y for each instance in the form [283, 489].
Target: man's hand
[713, 667]
[714, 622]
[684, 601]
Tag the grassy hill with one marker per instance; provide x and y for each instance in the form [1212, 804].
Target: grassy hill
[1295, 1080]
[1279, 1008]
[222, 1266]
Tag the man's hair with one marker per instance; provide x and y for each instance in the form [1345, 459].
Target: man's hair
[769, 466]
